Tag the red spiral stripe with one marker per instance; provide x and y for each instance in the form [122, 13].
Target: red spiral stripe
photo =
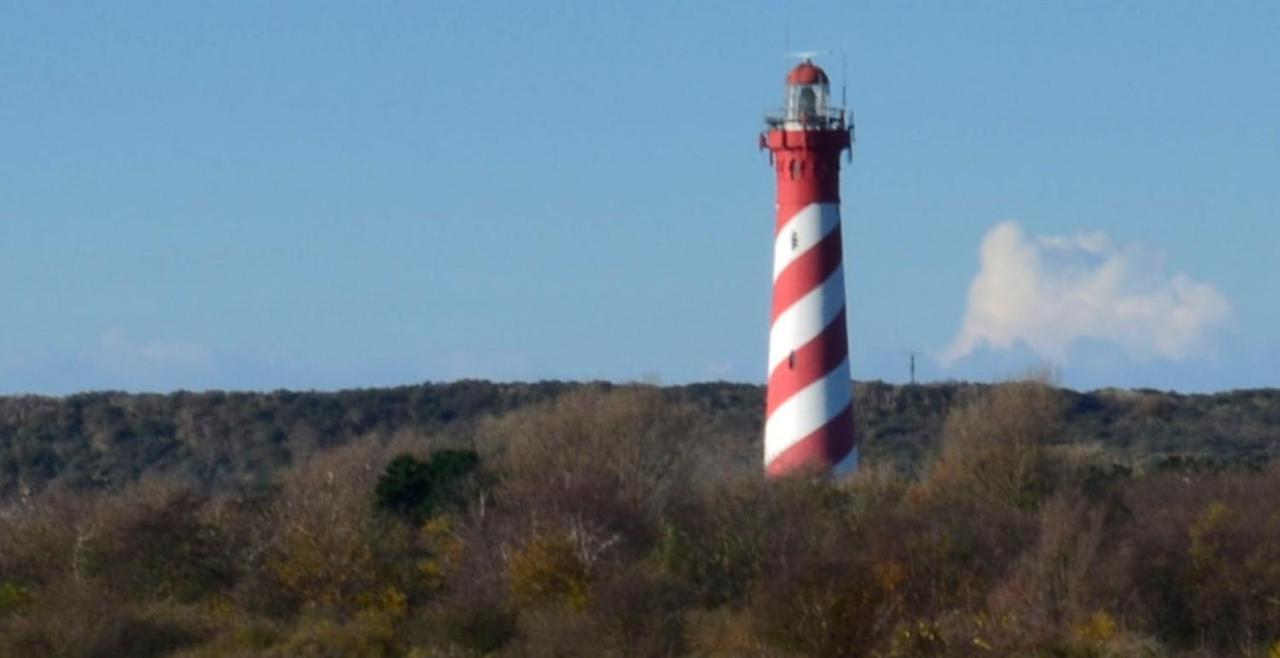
[809, 404]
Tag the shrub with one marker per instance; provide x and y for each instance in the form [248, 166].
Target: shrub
[13, 597]
[482, 627]
[325, 545]
[825, 606]
[639, 613]
[548, 570]
[414, 488]
[84, 621]
[993, 446]
[712, 540]
[1049, 587]
[368, 635]
[158, 543]
[1205, 550]
[632, 439]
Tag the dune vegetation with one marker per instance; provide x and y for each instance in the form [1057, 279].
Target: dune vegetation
[1016, 519]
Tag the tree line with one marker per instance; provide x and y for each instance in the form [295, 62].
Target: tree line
[235, 442]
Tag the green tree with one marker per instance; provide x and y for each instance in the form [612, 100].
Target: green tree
[414, 489]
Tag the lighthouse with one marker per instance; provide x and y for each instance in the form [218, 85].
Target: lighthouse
[809, 405]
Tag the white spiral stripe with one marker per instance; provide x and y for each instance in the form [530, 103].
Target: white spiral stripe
[806, 318]
[807, 411]
[809, 226]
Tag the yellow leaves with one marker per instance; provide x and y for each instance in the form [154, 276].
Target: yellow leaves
[1215, 518]
[320, 568]
[438, 528]
[431, 574]
[1098, 629]
[1275, 650]
[394, 601]
[547, 569]
[390, 602]
[1207, 534]
[446, 550]
[13, 597]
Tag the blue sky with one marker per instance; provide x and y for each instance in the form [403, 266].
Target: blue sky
[322, 195]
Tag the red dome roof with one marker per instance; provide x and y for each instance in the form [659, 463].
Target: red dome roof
[807, 73]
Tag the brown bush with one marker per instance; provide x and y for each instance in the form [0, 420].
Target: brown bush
[630, 437]
[1048, 591]
[322, 539]
[1205, 558]
[713, 540]
[158, 540]
[994, 445]
[638, 613]
[42, 540]
[816, 592]
[81, 621]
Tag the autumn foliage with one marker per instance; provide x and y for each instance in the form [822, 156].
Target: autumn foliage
[618, 521]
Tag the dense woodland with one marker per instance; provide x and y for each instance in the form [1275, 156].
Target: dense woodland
[558, 519]
[229, 442]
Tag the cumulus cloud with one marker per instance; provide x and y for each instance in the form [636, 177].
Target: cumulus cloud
[1050, 292]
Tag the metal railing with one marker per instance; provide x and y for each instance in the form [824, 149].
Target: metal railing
[827, 119]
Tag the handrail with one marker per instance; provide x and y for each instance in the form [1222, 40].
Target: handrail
[830, 118]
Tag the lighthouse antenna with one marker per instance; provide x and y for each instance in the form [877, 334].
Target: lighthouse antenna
[844, 75]
[806, 54]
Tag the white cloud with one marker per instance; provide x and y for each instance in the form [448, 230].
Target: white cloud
[1049, 292]
[117, 353]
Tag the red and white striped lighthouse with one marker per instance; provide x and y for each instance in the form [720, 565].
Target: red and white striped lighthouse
[809, 409]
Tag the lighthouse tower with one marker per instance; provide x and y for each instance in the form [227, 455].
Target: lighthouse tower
[809, 409]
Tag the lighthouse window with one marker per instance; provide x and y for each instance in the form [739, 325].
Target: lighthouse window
[791, 360]
[795, 240]
[808, 103]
